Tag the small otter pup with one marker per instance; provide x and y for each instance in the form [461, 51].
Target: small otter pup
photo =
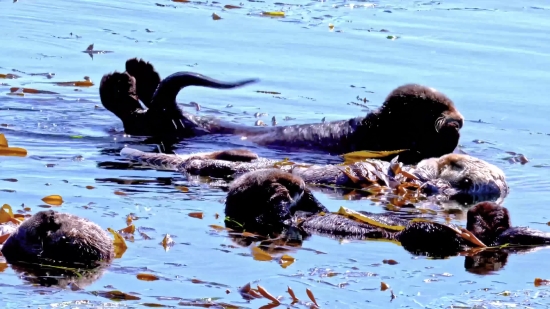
[267, 199]
[272, 199]
[418, 119]
[462, 177]
[55, 238]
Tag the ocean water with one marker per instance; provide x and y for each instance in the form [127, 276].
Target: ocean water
[490, 57]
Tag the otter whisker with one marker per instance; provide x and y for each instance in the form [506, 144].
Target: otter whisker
[439, 123]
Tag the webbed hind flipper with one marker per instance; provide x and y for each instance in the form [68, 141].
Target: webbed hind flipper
[118, 94]
[147, 79]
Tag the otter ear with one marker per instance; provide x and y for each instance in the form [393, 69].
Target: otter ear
[147, 79]
[117, 93]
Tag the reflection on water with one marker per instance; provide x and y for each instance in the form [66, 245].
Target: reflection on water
[492, 68]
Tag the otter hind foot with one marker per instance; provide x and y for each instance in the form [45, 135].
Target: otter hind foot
[234, 155]
[117, 92]
[147, 78]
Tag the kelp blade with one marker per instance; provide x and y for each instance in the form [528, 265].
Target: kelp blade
[13, 151]
[357, 156]
[394, 226]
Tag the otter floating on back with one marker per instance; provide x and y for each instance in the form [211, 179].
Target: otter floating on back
[270, 201]
[55, 238]
[418, 119]
[457, 176]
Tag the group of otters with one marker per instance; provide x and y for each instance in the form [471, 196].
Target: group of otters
[273, 199]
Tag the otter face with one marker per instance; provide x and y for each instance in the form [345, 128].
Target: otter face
[424, 120]
[487, 220]
[264, 198]
[464, 175]
[490, 223]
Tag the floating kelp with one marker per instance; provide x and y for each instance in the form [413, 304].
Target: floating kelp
[274, 14]
[119, 243]
[5, 150]
[9, 76]
[22, 90]
[54, 200]
[357, 156]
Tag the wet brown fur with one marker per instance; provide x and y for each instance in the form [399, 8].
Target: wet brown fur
[146, 77]
[453, 175]
[266, 192]
[52, 238]
[233, 155]
[413, 117]
[263, 198]
[118, 94]
[487, 221]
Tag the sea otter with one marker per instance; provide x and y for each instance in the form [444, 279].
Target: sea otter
[417, 119]
[458, 176]
[270, 201]
[55, 238]
[121, 94]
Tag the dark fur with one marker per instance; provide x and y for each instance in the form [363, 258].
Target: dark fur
[412, 117]
[267, 198]
[336, 225]
[234, 155]
[450, 176]
[55, 238]
[120, 93]
[487, 221]
[427, 238]
[263, 198]
[146, 77]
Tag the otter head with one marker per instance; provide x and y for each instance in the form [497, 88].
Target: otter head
[463, 177]
[118, 94]
[264, 199]
[419, 119]
[487, 220]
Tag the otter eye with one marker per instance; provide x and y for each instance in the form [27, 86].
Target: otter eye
[465, 183]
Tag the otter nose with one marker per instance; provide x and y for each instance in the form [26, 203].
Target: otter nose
[454, 122]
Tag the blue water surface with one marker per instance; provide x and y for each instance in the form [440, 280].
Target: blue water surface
[490, 57]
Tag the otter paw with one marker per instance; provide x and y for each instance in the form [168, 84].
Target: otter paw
[147, 78]
[118, 93]
[235, 155]
[117, 83]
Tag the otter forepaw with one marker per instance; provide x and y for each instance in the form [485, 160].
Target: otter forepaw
[235, 155]
[117, 83]
[147, 78]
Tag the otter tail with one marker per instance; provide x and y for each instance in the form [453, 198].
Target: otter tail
[168, 89]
